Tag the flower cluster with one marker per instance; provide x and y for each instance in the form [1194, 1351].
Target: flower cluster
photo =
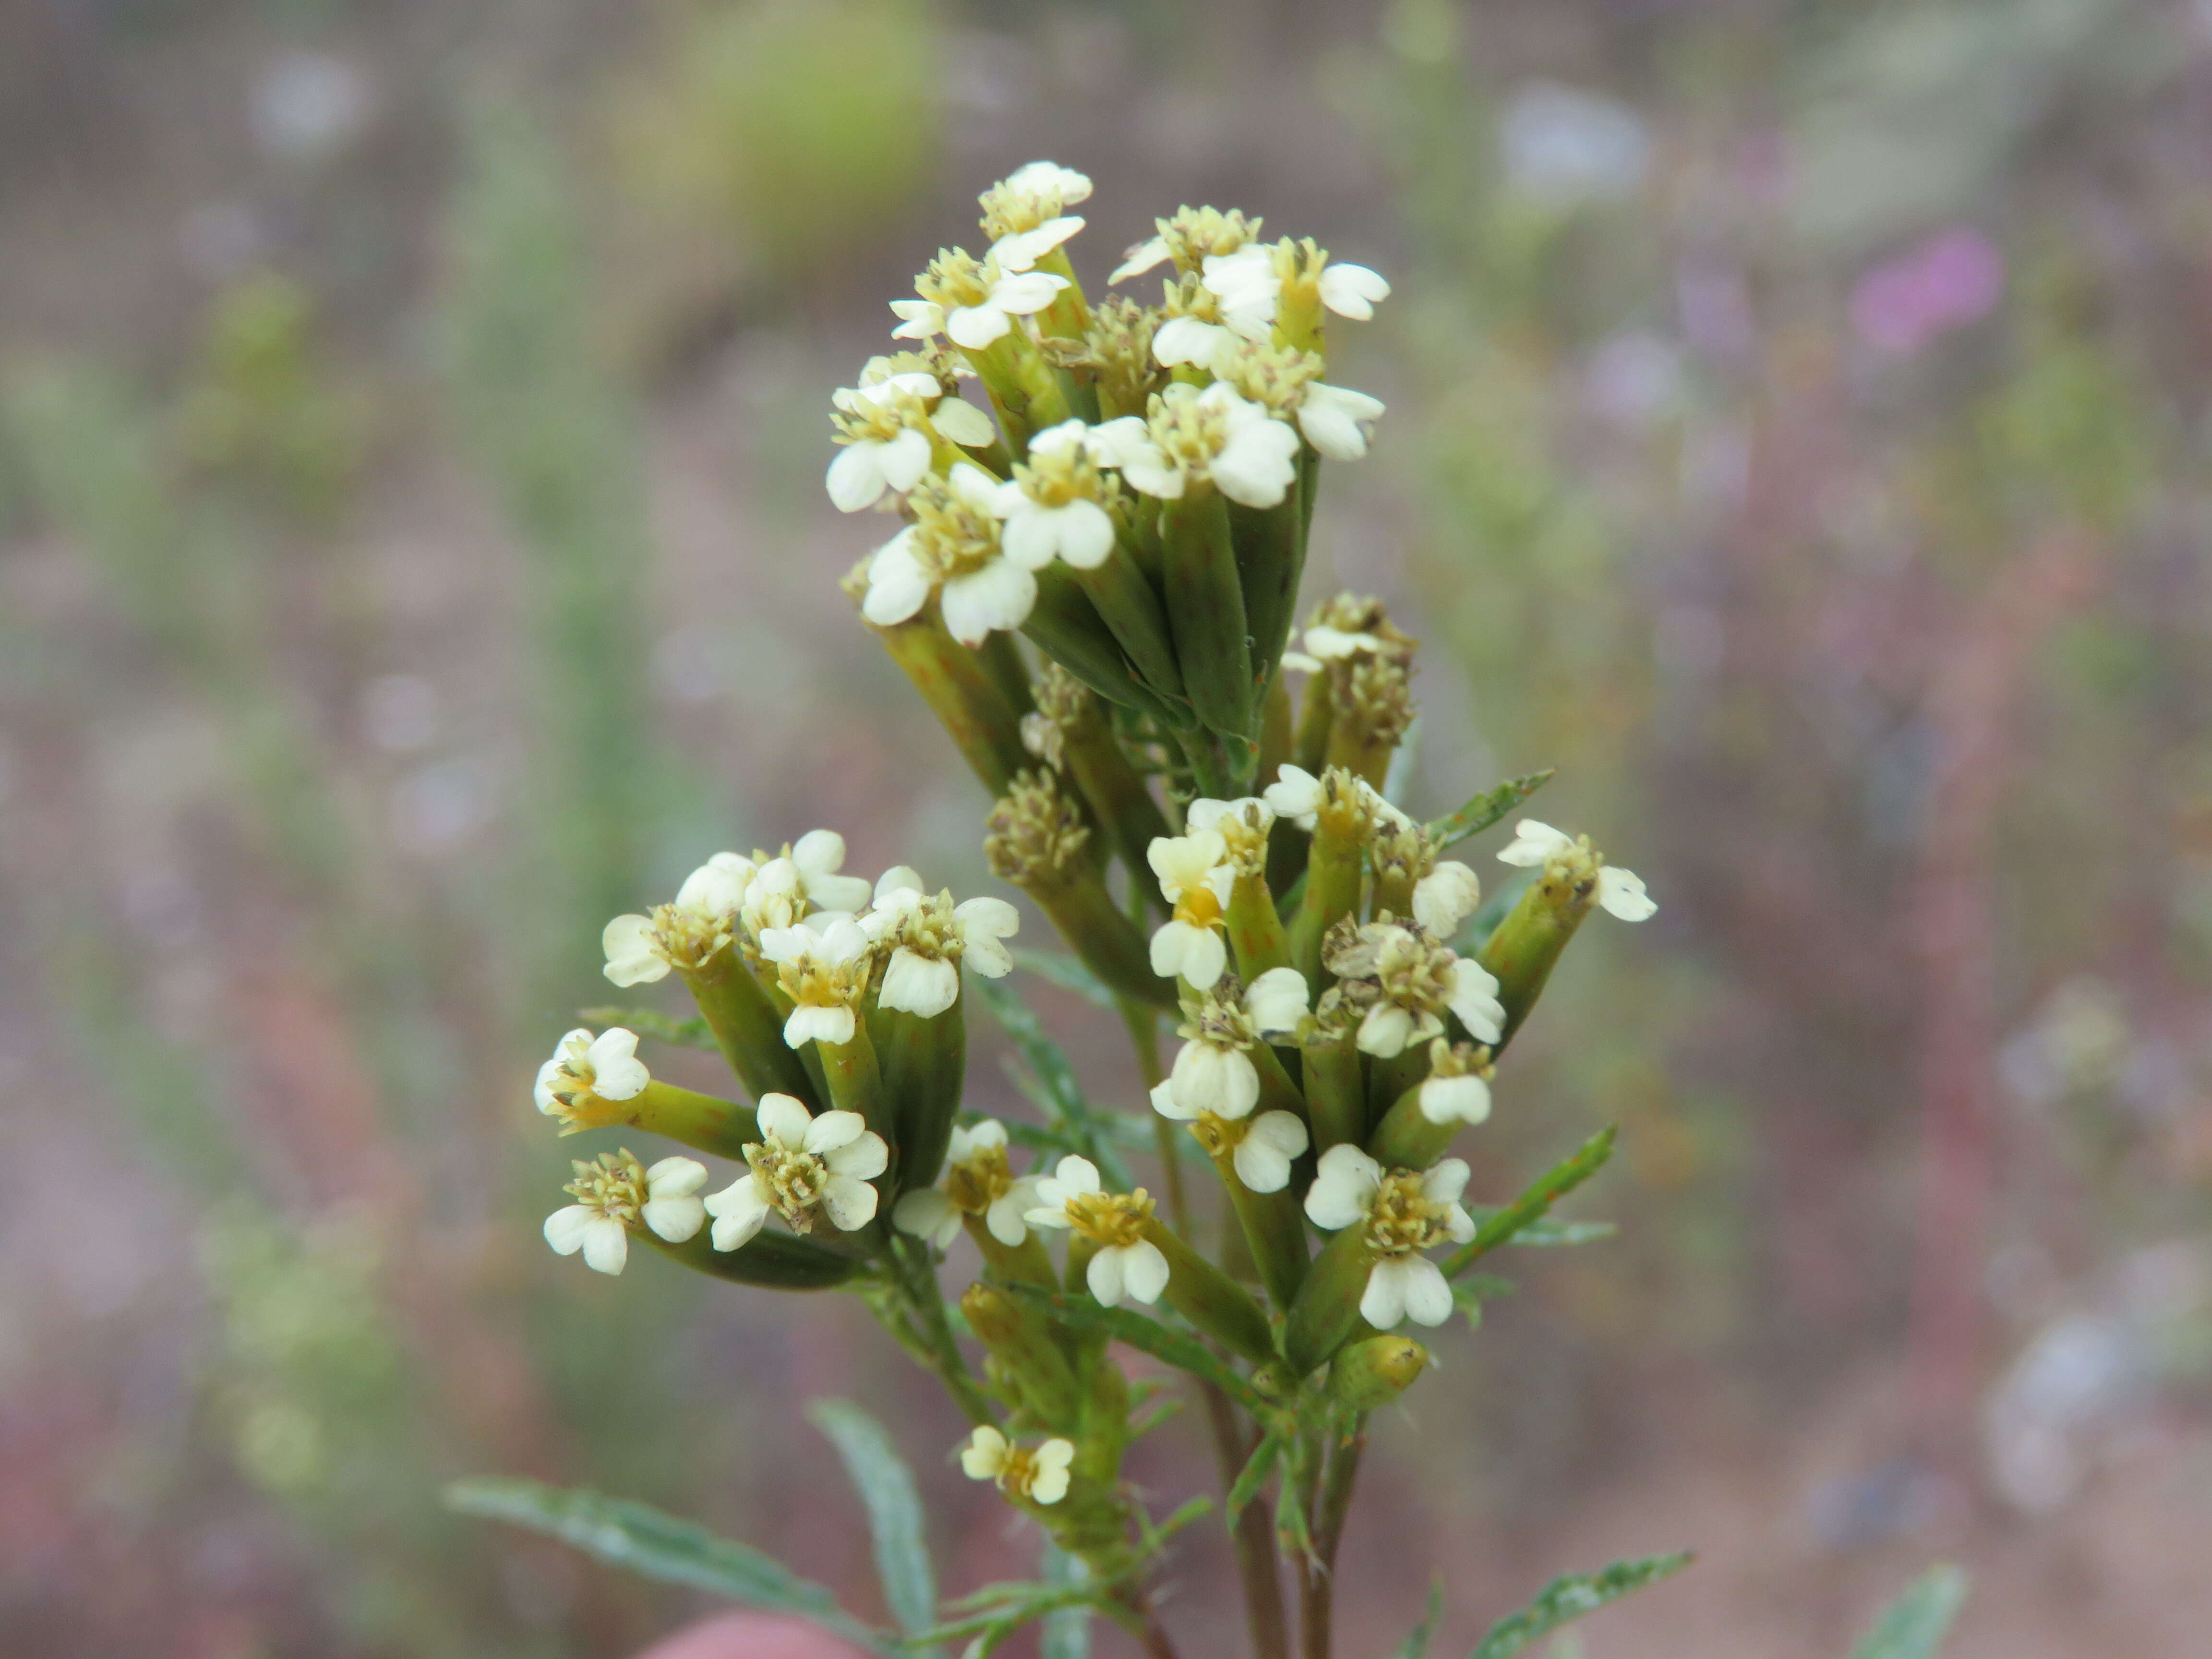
[1104, 507]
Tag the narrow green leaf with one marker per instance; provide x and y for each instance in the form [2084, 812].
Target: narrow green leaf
[1000, 1607]
[1913, 1626]
[657, 1546]
[1066, 971]
[1544, 1232]
[648, 1021]
[1057, 1093]
[1416, 1646]
[1254, 1475]
[1146, 1335]
[1067, 1633]
[1486, 808]
[1571, 1595]
[1555, 1184]
[895, 1518]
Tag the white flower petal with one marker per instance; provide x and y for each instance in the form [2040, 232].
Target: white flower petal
[1165, 1104]
[855, 478]
[675, 1218]
[607, 1244]
[1383, 1303]
[904, 461]
[1424, 1290]
[977, 326]
[898, 585]
[739, 1211]
[1005, 1217]
[851, 1204]
[1026, 291]
[1103, 1276]
[810, 1023]
[1352, 290]
[998, 598]
[1144, 1269]
[633, 952]
[1621, 893]
[564, 1228]
[1086, 534]
[1385, 1032]
[984, 1456]
[1445, 897]
[1277, 1000]
[959, 422]
[1143, 256]
[1475, 999]
[785, 1121]
[831, 1132]
[1533, 843]
[1344, 1186]
[1455, 1100]
[927, 1212]
[1257, 465]
[616, 1072]
[926, 986]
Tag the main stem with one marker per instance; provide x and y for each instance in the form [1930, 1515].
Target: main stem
[1317, 1580]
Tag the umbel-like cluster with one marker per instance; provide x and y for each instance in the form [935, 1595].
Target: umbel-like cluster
[1103, 510]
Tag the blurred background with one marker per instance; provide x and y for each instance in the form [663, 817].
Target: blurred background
[413, 551]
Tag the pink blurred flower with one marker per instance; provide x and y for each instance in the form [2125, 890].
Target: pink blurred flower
[1954, 277]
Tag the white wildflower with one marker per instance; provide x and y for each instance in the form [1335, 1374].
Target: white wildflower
[617, 1191]
[1445, 897]
[1404, 1213]
[802, 1167]
[1262, 1147]
[1055, 505]
[1195, 879]
[700, 922]
[1193, 437]
[929, 936]
[1040, 1475]
[973, 302]
[955, 548]
[1404, 982]
[588, 1075]
[1213, 1070]
[1574, 861]
[979, 1181]
[1126, 1262]
[822, 964]
[1026, 213]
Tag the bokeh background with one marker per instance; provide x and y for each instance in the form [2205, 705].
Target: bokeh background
[413, 551]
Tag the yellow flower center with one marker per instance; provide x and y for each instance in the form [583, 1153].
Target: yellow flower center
[614, 1186]
[984, 1178]
[794, 1180]
[1110, 1218]
[1404, 1219]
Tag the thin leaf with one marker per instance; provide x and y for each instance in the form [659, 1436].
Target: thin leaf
[1058, 1095]
[1555, 1184]
[1000, 1607]
[1146, 1335]
[657, 1546]
[647, 1022]
[894, 1516]
[1416, 1646]
[1913, 1626]
[1254, 1475]
[1570, 1596]
[1067, 1633]
[1064, 970]
[1486, 809]
[1547, 1232]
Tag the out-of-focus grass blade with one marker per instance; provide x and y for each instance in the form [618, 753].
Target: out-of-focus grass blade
[1913, 1626]
[1416, 1646]
[894, 1517]
[1067, 1633]
[1066, 971]
[1057, 1093]
[1547, 1232]
[1486, 808]
[1570, 1596]
[653, 1545]
[648, 1021]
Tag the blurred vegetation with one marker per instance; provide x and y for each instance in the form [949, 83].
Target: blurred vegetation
[1673, 521]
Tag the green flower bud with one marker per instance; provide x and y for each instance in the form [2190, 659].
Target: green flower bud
[1034, 1366]
[1370, 1374]
[1326, 1310]
[976, 711]
[775, 1262]
[1206, 609]
[749, 1028]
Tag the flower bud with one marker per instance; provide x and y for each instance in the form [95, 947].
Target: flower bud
[923, 1061]
[1210, 1299]
[1326, 1310]
[1034, 1366]
[1370, 1374]
[1206, 609]
[1088, 752]
[1038, 842]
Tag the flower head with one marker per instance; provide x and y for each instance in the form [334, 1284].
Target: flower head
[1352, 804]
[1289, 283]
[978, 1181]
[822, 964]
[1406, 981]
[1444, 893]
[972, 302]
[1198, 438]
[590, 1078]
[1242, 825]
[1190, 238]
[1404, 1213]
[1286, 383]
[700, 922]
[1126, 1262]
[1040, 1475]
[955, 548]
[616, 1193]
[1195, 878]
[802, 1167]
[929, 936]
[1262, 1147]
[886, 429]
[1026, 213]
[1058, 504]
[1581, 869]
[1457, 1087]
[1214, 1071]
